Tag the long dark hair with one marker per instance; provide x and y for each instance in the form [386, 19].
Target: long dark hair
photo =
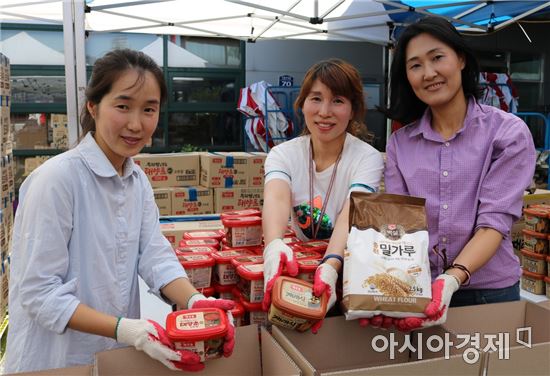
[405, 106]
[342, 79]
[107, 70]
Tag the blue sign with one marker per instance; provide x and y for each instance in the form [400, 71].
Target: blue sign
[286, 81]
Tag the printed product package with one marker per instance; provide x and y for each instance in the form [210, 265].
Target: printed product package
[386, 267]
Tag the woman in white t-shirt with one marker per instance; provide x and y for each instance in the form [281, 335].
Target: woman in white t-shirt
[323, 166]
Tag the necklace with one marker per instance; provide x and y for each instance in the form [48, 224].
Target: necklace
[315, 228]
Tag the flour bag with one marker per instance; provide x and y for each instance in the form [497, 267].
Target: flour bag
[386, 264]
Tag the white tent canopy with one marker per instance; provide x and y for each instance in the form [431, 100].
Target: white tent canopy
[21, 48]
[250, 20]
[360, 20]
[177, 56]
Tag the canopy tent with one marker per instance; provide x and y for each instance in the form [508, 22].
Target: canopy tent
[177, 56]
[251, 20]
[375, 21]
[40, 53]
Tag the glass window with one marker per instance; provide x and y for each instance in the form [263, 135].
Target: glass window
[203, 89]
[204, 129]
[218, 52]
[98, 44]
[494, 62]
[33, 47]
[526, 67]
[38, 89]
[530, 98]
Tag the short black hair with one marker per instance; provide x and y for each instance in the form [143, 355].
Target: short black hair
[405, 106]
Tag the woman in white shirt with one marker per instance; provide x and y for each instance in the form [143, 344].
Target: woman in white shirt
[87, 226]
[311, 177]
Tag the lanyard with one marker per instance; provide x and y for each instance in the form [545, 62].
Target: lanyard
[315, 228]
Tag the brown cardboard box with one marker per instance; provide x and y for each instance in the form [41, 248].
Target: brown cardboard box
[69, 371]
[31, 135]
[250, 357]
[224, 170]
[227, 199]
[192, 200]
[256, 170]
[170, 170]
[246, 359]
[60, 132]
[163, 199]
[173, 231]
[526, 361]
[339, 347]
[514, 320]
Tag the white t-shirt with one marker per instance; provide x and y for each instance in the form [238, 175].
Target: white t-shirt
[360, 169]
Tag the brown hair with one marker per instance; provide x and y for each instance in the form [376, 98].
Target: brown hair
[342, 79]
[107, 70]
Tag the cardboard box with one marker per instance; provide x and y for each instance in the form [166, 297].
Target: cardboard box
[163, 199]
[227, 199]
[224, 170]
[339, 347]
[342, 347]
[256, 170]
[173, 231]
[60, 131]
[69, 371]
[192, 200]
[170, 170]
[245, 360]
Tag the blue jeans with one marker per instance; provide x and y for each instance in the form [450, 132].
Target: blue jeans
[485, 296]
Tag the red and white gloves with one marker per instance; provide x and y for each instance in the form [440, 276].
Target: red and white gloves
[276, 255]
[443, 288]
[149, 337]
[324, 282]
[201, 301]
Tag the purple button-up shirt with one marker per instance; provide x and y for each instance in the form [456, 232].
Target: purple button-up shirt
[475, 179]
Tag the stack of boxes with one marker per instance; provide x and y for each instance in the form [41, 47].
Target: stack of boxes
[204, 183]
[535, 252]
[7, 186]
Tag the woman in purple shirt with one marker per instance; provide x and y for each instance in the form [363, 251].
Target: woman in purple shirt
[471, 162]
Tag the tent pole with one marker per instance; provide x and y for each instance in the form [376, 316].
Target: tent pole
[70, 72]
[75, 64]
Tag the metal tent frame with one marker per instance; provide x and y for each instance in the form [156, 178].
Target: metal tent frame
[372, 21]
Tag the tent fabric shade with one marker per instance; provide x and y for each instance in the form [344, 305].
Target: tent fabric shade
[34, 52]
[177, 56]
[352, 20]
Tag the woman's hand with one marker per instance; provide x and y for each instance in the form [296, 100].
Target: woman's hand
[276, 255]
[150, 337]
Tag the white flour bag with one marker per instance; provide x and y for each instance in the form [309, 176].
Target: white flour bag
[386, 264]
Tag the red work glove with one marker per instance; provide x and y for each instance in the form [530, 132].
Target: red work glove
[149, 337]
[276, 255]
[377, 321]
[324, 282]
[201, 301]
[443, 289]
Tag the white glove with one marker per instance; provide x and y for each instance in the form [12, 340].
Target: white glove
[149, 337]
[443, 288]
[276, 255]
[324, 281]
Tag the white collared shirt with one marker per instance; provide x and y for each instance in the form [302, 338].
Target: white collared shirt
[82, 234]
